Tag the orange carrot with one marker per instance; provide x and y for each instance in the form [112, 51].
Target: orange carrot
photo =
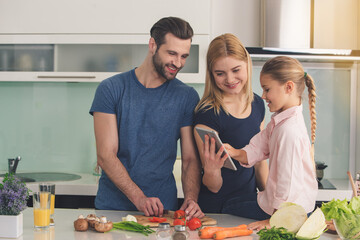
[208, 232]
[231, 233]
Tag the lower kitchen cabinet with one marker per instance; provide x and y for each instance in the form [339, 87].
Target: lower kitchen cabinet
[77, 202]
[70, 201]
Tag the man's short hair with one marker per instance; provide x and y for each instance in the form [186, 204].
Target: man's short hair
[176, 26]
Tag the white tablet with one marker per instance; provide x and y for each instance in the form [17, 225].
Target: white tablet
[212, 134]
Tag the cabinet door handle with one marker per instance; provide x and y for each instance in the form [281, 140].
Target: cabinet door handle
[69, 76]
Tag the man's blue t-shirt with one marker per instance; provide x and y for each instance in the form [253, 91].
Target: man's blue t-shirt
[149, 122]
[236, 132]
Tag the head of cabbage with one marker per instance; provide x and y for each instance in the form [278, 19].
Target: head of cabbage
[294, 218]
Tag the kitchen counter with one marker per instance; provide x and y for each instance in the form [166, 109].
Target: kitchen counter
[343, 191]
[64, 228]
[88, 184]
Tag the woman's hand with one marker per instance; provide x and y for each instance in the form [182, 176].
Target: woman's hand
[259, 225]
[212, 161]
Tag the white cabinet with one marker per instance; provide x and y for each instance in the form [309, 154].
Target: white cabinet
[90, 40]
[85, 58]
[94, 16]
[239, 17]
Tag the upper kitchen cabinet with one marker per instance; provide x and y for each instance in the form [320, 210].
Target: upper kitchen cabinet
[94, 16]
[88, 41]
[336, 24]
[240, 17]
[86, 58]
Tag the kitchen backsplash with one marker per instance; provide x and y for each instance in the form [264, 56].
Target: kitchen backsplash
[49, 126]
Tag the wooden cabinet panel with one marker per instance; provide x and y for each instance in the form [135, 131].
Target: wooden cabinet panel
[336, 24]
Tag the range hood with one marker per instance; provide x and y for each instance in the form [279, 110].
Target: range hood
[287, 28]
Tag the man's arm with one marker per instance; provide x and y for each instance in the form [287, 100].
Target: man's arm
[106, 135]
[190, 173]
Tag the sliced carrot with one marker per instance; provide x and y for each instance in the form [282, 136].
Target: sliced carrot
[222, 234]
[208, 232]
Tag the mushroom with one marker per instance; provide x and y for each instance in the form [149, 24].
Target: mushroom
[103, 225]
[92, 219]
[81, 224]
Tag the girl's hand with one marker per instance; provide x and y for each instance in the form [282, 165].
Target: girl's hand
[212, 160]
[231, 151]
[259, 225]
[237, 154]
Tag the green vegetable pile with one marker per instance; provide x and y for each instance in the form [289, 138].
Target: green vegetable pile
[275, 234]
[346, 216]
[133, 227]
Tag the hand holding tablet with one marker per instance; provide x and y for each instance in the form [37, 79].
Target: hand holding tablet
[212, 134]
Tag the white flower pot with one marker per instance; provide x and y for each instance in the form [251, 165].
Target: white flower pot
[11, 226]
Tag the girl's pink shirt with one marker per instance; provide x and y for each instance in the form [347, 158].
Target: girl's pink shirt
[292, 176]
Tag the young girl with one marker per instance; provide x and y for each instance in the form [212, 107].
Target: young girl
[284, 141]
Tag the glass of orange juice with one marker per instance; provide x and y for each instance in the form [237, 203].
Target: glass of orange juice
[49, 187]
[41, 206]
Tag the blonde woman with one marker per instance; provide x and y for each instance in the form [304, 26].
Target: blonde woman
[230, 108]
[285, 140]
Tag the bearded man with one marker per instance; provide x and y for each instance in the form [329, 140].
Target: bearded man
[139, 116]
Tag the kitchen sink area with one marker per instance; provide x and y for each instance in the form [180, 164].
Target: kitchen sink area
[29, 177]
[45, 176]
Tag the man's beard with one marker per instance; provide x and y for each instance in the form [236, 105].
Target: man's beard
[160, 67]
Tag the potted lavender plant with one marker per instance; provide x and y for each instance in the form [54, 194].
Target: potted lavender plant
[13, 199]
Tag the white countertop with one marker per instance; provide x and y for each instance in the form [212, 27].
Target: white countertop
[343, 191]
[88, 184]
[64, 228]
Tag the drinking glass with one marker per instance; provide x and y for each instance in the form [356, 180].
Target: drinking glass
[41, 206]
[50, 187]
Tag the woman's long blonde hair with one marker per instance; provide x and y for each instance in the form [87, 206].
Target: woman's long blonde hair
[226, 45]
[283, 69]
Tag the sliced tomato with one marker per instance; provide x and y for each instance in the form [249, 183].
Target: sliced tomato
[179, 222]
[157, 219]
[179, 214]
[194, 224]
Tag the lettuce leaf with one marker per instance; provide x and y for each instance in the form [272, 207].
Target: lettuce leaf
[355, 205]
[335, 208]
[346, 216]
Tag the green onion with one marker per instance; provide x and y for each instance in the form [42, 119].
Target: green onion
[133, 227]
[275, 234]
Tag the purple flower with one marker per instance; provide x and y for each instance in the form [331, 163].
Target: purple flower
[13, 195]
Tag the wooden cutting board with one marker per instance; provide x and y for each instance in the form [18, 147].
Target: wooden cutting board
[143, 220]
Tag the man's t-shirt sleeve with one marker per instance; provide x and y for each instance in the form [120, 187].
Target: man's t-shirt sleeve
[190, 104]
[103, 99]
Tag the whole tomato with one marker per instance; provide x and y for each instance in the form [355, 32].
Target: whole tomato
[194, 224]
[179, 222]
[179, 214]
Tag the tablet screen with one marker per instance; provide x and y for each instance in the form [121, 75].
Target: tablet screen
[202, 132]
